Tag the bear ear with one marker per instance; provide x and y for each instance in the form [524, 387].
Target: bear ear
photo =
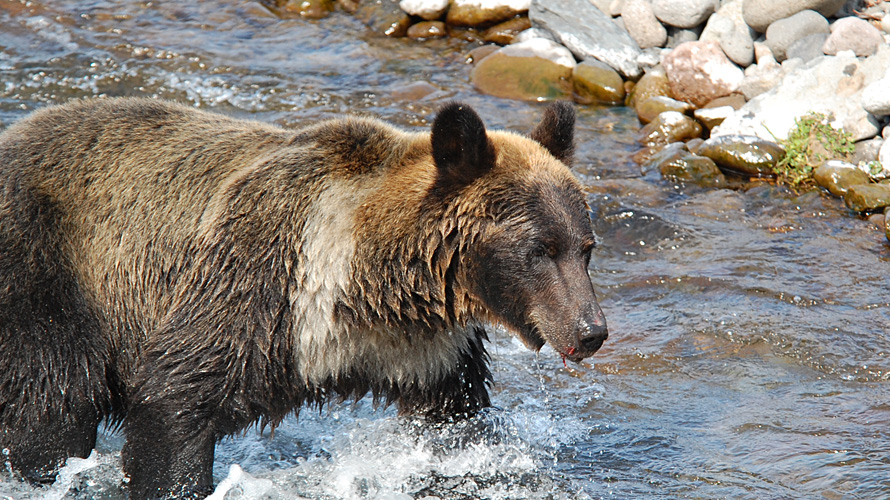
[461, 149]
[556, 132]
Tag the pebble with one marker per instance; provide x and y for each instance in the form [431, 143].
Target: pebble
[784, 32]
[642, 25]
[745, 155]
[727, 27]
[588, 33]
[429, 10]
[484, 12]
[837, 176]
[699, 72]
[427, 29]
[683, 13]
[852, 33]
[536, 69]
[867, 197]
[505, 33]
[759, 14]
[596, 82]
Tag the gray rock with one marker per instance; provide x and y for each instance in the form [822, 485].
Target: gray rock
[728, 28]
[852, 33]
[876, 97]
[829, 85]
[867, 150]
[641, 23]
[784, 32]
[679, 36]
[603, 5]
[761, 77]
[807, 48]
[759, 14]
[683, 13]
[587, 32]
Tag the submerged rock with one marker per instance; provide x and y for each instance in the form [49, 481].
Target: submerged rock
[588, 33]
[532, 70]
[745, 155]
[384, 17]
[596, 82]
[837, 176]
[428, 29]
[865, 197]
[693, 169]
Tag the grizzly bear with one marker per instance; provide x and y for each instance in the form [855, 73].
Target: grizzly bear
[187, 275]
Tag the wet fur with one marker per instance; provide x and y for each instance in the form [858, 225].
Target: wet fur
[189, 274]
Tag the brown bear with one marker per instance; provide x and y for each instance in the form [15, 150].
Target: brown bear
[186, 275]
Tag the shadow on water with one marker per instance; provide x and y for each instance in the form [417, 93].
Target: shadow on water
[749, 349]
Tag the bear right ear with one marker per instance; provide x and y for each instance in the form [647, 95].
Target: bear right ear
[556, 132]
[461, 149]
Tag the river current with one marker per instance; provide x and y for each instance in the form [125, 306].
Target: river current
[750, 329]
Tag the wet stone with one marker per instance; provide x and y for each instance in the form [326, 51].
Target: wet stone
[505, 33]
[746, 155]
[655, 158]
[655, 105]
[427, 29]
[309, 9]
[866, 197]
[711, 117]
[653, 83]
[384, 17]
[597, 82]
[693, 169]
[429, 10]
[477, 13]
[837, 176]
[533, 70]
[481, 52]
[669, 127]
[887, 223]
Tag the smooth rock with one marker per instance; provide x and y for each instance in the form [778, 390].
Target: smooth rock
[761, 77]
[588, 33]
[669, 127]
[694, 144]
[759, 14]
[534, 33]
[867, 150]
[679, 36]
[308, 9]
[693, 169]
[745, 155]
[876, 97]
[384, 17]
[533, 70]
[828, 85]
[807, 48]
[653, 83]
[864, 197]
[642, 25]
[505, 33]
[711, 117]
[734, 101]
[484, 12]
[481, 52]
[699, 72]
[596, 82]
[427, 29]
[683, 13]
[837, 176]
[649, 109]
[728, 28]
[784, 32]
[429, 10]
[661, 155]
[852, 33]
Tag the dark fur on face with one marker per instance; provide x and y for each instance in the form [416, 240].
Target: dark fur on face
[188, 275]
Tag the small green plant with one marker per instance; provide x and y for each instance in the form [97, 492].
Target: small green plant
[812, 141]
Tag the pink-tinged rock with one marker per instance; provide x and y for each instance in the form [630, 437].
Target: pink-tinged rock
[852, 33]
[699, 72]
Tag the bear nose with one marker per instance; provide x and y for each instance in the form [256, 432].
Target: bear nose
[594, 338]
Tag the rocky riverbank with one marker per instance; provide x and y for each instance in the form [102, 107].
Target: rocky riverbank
[719, 85]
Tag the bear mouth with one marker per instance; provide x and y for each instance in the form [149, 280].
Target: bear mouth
[531, 337]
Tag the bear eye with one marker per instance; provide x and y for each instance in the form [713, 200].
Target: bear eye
[548, 250]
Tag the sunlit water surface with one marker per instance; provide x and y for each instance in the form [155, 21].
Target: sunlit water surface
[749, 348]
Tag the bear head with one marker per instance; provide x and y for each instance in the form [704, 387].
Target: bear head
[527, 259]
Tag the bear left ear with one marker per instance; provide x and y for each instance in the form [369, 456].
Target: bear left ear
[461, 149]
[556, 132]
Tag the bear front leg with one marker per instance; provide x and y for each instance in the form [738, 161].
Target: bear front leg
[169, 450]
[460, 394]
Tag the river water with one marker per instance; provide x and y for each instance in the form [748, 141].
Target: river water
[750, 329]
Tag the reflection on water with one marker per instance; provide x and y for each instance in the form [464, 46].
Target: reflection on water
[749, 349]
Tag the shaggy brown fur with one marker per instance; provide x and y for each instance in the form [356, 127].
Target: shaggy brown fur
[189, 274]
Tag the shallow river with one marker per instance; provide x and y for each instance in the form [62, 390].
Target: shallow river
[749, 355]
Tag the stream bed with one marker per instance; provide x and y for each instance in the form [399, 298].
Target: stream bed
[749, 355]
